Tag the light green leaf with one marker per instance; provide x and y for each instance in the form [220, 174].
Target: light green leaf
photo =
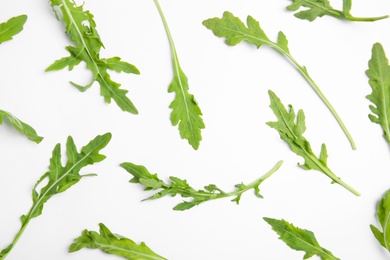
[292, 133]
[234, 31]
[20, 126]
[379, 79]
[299, 239]
[81, 29]
[185, 110]
[181, 187]
[113, 244]
[313, 9]
[383, 215]
[12, 27]
[59, 178]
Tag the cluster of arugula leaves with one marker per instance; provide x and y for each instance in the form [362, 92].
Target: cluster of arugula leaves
[187, 115]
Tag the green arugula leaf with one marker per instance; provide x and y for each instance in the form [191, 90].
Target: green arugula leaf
[12, 27]
[181, 187]
[60, 178]
[81, 29]
[235, 31]
[20, 126]
[383, 214]
[113, 244]
[292, 133]
[379, 79]
[299, 239]
[319, 8]
[185, 111]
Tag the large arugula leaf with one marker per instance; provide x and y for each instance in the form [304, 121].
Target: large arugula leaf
[299, 239]
[379, 79]
[81, 29]
[12, 27]
[235, 31]
[383, 215]
[59, 178]
[292, 133]
[317, 8]
[181, 187]
[185, 110]
[20, 126]
[113, 244]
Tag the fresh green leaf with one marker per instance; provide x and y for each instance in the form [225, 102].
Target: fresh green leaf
[113, 244]
[379, 79]
[181, 187]
[291, 130]
[185, 110]
[12, 27]
[235, 31]
[383, 215]
[313, 9]
[299, 239]
[81, 29]
[59, 178]
[20, 126]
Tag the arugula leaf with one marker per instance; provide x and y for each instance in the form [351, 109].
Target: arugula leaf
[113, 244]
[185, 110]
[292, 133]
[81, 29]
[383, 214]
[379, 79]
[299, 239]
[60, 178]
[12, 27]
[181, 187]
[319, 8]
[20, 126]
[235, 31]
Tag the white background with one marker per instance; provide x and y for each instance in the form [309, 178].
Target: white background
[230, 85]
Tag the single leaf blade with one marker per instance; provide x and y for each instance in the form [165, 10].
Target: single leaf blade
[109, 243]
[21, 127]
[81, 28]
[299, 239]
[379, 80]
[12, 27]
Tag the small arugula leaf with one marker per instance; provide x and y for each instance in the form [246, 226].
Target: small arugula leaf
[383, 215]
[113, 244]
[299, 239]
[181, 187]
[185, 110]
[379, 79]
[291, 130]
[60, 178]
[81, 29]
[20, 126]
[318, 8]
[12, 27]
[235, 31]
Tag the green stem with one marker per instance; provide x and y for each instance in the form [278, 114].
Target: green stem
[365, 19]
[311, 82]
[8, 249]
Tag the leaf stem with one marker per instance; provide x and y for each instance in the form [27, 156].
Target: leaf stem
[315, 87]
